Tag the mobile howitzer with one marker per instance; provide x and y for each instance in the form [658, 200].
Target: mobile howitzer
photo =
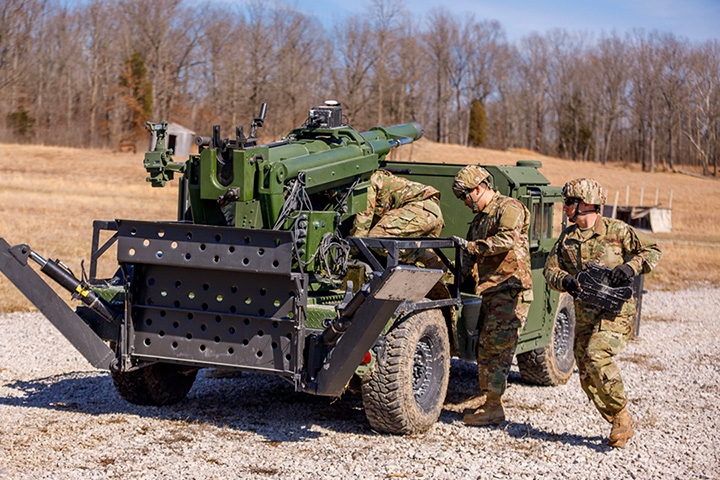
[255, 274]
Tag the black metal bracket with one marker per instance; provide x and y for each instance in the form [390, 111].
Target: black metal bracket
[13, 263]
[368, 246]
[96, 250]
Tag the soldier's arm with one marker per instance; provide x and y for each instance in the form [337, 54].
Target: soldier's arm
[644, 252]
[508, 235]
[363, 220]
[553, 270]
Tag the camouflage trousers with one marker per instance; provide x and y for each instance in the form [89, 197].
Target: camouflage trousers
[421, 219]
[599, 336]
[503, 315]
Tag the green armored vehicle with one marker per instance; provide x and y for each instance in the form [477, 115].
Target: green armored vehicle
[255, 274]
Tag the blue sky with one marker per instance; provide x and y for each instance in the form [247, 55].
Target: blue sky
[698, 20]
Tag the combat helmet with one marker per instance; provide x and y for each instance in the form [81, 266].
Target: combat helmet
[586, 189]
[468, 178]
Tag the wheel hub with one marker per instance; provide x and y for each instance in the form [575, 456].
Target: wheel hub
[561, 335]
[422, 368]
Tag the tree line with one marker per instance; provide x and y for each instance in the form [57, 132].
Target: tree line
[90, 73]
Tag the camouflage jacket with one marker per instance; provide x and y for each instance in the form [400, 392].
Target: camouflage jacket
[388, 192]
[611, 243]
[498, 250]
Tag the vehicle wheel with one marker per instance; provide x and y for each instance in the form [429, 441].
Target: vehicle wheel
[406, 392]
[553, 364]
[157, 384]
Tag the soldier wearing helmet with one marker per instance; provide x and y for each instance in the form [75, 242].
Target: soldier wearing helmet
[599, 334]
[497, 256]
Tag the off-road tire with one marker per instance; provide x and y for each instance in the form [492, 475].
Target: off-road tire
[406, 392]
[553, 364]
[157, 384]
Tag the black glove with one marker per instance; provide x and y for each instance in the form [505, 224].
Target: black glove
[622, 275]
[571, 285]
[461, 242]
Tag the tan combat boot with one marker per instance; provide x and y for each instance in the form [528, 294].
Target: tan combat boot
[491, 413]
[622, 429]
[473, 404]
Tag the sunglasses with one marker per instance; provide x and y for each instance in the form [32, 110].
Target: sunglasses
[464, 194]
[571, 201]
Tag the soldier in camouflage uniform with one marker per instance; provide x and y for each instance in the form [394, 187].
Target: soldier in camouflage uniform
[497, 256]
[398, 207]
[599, 334]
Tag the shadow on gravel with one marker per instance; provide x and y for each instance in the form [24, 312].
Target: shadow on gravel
[257, 403]
[525, 430]
[463, 388]
[263, 404]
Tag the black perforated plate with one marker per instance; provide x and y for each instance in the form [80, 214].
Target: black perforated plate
[211, 312]
[199, 246]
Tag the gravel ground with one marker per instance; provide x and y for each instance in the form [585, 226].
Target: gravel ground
[61, 419]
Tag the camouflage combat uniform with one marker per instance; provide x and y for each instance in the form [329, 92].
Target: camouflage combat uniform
[398, 207]
[498, 258]
[601, 334]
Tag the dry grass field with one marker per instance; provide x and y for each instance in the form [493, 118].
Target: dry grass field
[49, 197]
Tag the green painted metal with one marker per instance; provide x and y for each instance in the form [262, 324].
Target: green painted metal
[526, 183]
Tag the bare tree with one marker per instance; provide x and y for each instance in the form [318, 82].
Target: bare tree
[533, 70]
[166, 33]
[384, 17]
[17, 42]
[410, 85]
[16, 24]
[673, 87]
[568, 93]
[441, 35]
[299, 67]
[610, 65]
[351, 77]
[703, 109]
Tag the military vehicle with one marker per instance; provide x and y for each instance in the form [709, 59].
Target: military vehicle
[257, 273]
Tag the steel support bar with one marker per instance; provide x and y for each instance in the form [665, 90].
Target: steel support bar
[368, 322]
[13, 263]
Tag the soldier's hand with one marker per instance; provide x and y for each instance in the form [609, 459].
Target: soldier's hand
[622, 275]
[571, 285]
[460, 242]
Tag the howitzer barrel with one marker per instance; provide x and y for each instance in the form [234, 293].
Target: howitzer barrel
[298, 158]
[291, 167]
[384, 139]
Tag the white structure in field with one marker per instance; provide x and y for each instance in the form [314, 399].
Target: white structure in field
[179, 138]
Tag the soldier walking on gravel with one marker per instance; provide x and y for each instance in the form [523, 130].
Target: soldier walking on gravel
[398, 207]
[599, 334]
[496, 256]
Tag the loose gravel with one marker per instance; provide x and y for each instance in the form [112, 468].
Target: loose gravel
[61, 419]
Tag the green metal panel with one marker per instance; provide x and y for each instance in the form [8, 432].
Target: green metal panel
[337, 174]
[538, 330]
[248, 214]
[319, 223]
[317, 314]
